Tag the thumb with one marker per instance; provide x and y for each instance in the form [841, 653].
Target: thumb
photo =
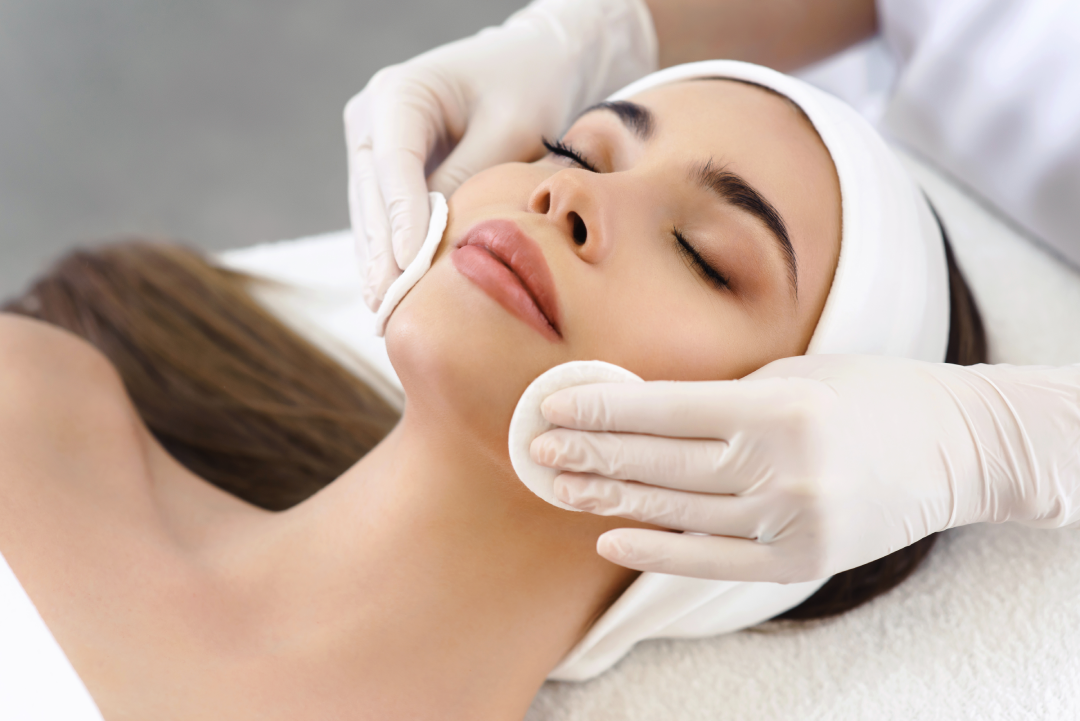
[696, 556]
[486, 143]
[401, 141]
[401, 180]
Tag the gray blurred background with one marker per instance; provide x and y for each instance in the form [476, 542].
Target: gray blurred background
[217, 123]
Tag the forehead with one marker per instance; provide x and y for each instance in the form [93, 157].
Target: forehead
[736, 122]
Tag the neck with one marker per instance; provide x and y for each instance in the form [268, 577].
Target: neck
[431, 561]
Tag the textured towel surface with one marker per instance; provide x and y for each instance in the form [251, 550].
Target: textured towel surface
[987, 629]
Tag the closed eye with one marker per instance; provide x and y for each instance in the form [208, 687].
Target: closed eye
[711, 276]
[564, 150]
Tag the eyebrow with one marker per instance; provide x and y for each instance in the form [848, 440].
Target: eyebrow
[733, 189]
[638, 119]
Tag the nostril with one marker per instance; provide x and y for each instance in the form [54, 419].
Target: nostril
[542, 203]
[581, 234]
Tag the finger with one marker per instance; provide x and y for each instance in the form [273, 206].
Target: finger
[401, 143]
[484, 144]
[369, 215]
[706, 409]
[360, 243]
[713, 557]
[382, 271]
[679, 463]
[702, 513]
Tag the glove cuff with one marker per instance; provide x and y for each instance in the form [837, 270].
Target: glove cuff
[1025, 422]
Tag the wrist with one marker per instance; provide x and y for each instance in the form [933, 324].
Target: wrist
[1024, 423]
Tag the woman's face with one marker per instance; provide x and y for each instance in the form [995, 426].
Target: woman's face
[693, 236]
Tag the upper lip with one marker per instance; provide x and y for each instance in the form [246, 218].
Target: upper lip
[522, 255]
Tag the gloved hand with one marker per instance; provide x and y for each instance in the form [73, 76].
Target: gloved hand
[816, 464]
[475, 103]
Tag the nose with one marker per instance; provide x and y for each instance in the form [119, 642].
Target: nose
[571, 200]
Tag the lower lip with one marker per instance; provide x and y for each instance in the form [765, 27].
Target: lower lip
[502, 285]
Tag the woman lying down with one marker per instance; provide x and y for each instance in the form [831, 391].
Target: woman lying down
[182, 498]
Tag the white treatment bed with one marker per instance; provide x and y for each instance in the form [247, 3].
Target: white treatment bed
[988, 628]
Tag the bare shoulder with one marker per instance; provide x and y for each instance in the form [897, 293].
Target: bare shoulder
[62, 402]
[37, 358]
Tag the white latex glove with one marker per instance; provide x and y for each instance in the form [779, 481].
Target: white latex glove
[816, 464]
[478, 102]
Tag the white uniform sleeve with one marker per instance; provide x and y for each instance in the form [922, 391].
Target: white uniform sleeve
[990, 90]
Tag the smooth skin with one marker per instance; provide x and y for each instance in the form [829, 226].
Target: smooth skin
[427, 565]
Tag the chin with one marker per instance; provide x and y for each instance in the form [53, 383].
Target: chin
[462, 359]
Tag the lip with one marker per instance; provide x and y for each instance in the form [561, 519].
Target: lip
[509, 267]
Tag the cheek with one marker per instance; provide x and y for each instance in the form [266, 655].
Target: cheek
[662, 326]
[495, 190]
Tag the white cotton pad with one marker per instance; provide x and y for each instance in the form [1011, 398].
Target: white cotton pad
[528, 422]
[419, 265]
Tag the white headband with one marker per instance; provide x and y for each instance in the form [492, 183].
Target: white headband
[889, 296]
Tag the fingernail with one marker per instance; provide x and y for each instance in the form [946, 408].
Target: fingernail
[555, 409]
[563, 491]
[546, 407]
[399, 243]
[543, 451]
[574, 493]
[614, 548]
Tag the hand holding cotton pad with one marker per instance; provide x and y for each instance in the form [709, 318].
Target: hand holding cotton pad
[528, 422]
[655, 605]
[404, 283]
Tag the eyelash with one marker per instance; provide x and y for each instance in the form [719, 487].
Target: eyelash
[711, 276]
[682, 245]
[558, 147]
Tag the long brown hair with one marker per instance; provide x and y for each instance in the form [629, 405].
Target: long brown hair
[224, 386]
[247, 404]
